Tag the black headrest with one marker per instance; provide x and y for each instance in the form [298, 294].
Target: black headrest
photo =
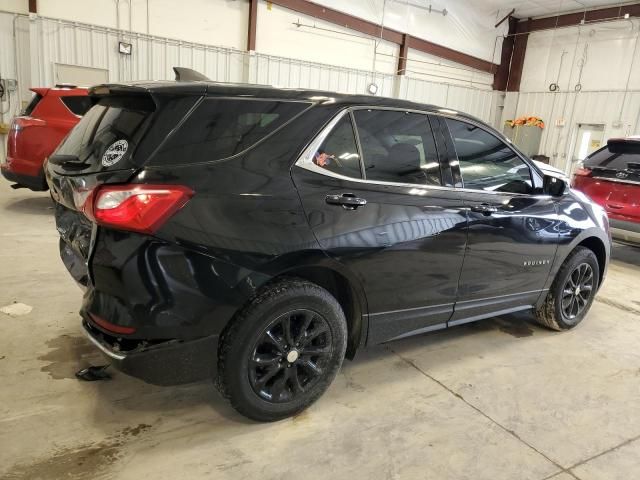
[405, 156]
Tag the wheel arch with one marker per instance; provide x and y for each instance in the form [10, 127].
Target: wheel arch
[597, 246]
[346, 291]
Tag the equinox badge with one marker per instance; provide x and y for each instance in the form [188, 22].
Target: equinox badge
[535, 263]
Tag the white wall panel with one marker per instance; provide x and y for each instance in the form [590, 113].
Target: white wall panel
[56, 41]
[480, 103]
[429, 67]
[604, 51]
[292, 73]
[322, 42]
[218, 22]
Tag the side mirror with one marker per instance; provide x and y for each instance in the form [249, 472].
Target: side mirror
[554, 186]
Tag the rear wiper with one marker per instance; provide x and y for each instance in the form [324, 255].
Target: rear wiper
[68, 161]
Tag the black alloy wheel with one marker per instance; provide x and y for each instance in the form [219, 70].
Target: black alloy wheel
[577, 291]
[572, 291]
[283, 350]
[290, 356]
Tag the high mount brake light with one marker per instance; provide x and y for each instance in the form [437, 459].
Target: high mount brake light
[138, 208]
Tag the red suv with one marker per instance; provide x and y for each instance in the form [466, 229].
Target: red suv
[50, 115]
[611, 177]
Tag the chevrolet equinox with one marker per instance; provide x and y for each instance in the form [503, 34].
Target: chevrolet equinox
[257, 236]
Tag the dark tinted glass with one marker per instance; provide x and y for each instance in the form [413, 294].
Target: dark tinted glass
[113, 118]
[339, 153]
[398, 147]
[32, 104]
[617, 159]
[486, 162]
[221, 128]
[78, 104]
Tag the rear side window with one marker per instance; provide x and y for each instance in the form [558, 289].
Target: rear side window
[221, 128]
[398, 147]
[32, 104]
[78, 104]
[486, 162]
[619, 159]
[112, 119]
[339, 153]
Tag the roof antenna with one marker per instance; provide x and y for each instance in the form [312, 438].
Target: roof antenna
[184, 74]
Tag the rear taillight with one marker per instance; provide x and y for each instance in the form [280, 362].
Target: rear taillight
[20, 123]
[139, 208]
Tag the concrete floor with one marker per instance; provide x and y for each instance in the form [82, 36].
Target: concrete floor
[500, 399]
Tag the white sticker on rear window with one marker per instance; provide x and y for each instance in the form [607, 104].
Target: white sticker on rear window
[114, 153]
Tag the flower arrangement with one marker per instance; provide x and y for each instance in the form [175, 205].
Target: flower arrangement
[528, 121]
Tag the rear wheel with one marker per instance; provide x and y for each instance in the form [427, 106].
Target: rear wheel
[572, 292]
[282, 351]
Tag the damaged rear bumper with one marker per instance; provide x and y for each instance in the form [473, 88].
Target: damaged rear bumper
[170, 362]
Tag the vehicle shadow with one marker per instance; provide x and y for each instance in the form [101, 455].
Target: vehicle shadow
[41, 205]
[133, 398]
[625, 253]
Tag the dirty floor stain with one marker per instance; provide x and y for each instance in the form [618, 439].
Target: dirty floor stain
[68, 354]
[81, 462]
[515, 327]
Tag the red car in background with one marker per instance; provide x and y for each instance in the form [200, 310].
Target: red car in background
[33, 135]
[611, 177]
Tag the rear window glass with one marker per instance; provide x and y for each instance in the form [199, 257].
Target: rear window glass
[605, 158]
[78, 104]
[32, 104]
[221, 128]
[112, 119]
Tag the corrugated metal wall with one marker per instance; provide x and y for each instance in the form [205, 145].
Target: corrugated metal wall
[601, 107]
[472, 100]
[287, 72]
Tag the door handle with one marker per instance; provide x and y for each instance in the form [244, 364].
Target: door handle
[484, 208]
[348, 201]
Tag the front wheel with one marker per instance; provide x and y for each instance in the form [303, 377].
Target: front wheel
[572, 292]
[282, 351]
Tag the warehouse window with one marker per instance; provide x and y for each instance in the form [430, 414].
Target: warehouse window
[486, 162]
[398, 147]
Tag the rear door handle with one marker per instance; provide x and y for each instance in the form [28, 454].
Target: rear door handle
[348, 201]
[484, 208]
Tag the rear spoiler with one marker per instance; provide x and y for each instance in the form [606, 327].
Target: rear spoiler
[184, 74]
[42, 91]
[624, 145]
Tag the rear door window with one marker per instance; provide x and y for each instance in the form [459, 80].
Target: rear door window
[398, 147]
[222, 128]
[78, 104]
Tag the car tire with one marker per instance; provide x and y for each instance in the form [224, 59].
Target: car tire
[572, 291]
[282, 351]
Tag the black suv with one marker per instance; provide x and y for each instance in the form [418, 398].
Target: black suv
[256, 235]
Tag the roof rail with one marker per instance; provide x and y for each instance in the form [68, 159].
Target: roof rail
[184, 74]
